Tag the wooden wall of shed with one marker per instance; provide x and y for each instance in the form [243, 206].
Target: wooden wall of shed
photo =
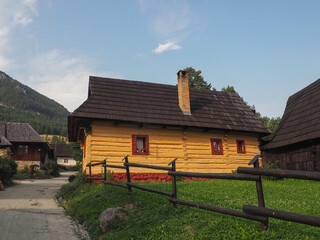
[302, 157]
[192, 147]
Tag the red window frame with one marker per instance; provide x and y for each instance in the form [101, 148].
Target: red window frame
[243, 146]
[212, 147]
[134, 145]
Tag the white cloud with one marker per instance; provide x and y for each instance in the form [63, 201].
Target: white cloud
[63, 77]
[13, 14]
[167, 18]
[171, 21]
[166, 47]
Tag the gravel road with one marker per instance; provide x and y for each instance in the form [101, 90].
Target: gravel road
[28, 210]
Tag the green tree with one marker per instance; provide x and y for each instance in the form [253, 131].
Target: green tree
[57, 139]
[229, 89]
[77, 154]
[196, 80]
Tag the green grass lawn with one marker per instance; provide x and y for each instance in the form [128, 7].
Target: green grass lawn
[152, 216]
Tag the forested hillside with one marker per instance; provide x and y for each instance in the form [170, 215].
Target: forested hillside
[20, 103]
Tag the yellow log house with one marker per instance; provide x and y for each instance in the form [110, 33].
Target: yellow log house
[207, 131]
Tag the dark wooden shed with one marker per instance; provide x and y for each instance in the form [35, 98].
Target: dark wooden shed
[296, 144]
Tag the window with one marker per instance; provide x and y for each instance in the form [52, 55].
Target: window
[22, 149]
[216, 147]
[65, 160]
[241, 147]
[140, 144]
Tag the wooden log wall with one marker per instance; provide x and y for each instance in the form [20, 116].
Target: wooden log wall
[302, 157]
[192, 147]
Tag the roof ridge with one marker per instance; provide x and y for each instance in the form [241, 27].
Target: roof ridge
[155, 103]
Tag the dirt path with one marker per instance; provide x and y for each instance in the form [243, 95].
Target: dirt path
[28, 210]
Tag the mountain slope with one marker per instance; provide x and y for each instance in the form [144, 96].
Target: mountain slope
[20, 103]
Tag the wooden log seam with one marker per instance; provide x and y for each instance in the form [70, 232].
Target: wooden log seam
[245, 177]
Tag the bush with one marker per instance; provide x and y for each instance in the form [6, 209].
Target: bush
[51, 168]
[71, 178]
[274, 165]
[62, 168]
[68, 190]
[22, 173]
[8, 168]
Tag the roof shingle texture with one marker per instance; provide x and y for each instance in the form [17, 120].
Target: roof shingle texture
[143, 102]
[4, 142]
[62, 150]
[301, 118]
[20, 132]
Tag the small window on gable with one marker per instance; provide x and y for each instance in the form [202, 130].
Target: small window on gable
[140, 144]
[216, 147]
[241, 147]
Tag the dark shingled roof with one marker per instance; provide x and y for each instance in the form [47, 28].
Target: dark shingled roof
[20, 132]
[301, 118]
[62, 150]
[143, 102]
[4, 142]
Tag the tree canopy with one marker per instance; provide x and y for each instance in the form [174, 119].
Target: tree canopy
[229, 89]
[196, 80]
[20, 103]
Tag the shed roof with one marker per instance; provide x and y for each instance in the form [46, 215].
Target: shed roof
[144, 102]
[62, 150]
[301, 118]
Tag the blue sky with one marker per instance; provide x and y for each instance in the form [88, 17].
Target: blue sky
[267, 50]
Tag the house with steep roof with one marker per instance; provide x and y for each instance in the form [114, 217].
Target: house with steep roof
[22, 143]
[208, 131]
[296, 144]
[5, 146]
[63, 153]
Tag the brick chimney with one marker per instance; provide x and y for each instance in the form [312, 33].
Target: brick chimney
[183, 92]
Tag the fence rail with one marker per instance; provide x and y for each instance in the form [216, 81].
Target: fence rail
[306, 175]
[220, 210]
[90, 165]
[147, 166]
[215, 176]
[257, 213]
[287, 216]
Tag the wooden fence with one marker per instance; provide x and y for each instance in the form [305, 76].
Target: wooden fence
[257, 213]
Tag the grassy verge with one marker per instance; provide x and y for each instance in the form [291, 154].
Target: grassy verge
[152, 216]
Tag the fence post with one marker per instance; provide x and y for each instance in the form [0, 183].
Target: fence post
[174, 182]
[255, 162]
[90, 181]
[105, 169]
[128, 173]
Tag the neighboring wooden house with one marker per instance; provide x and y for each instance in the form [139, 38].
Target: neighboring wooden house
[5, 146]
[296, 144]
[23, 144]
[208, 131]
[63, 153]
